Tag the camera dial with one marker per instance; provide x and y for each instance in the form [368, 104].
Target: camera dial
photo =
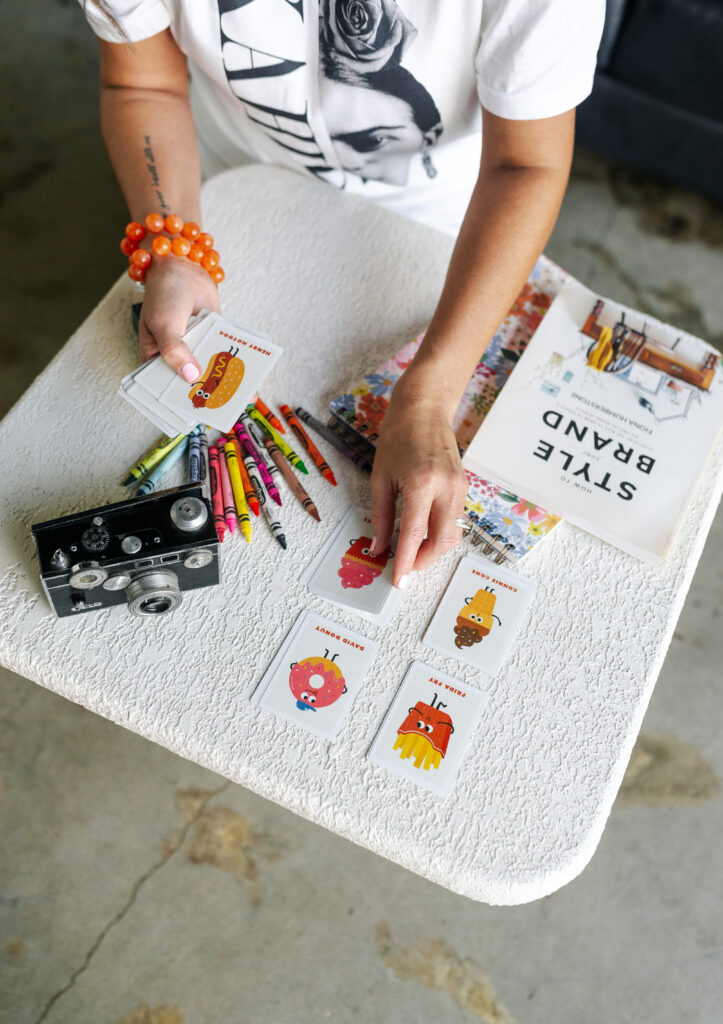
[87, 575]
[198, 559]
[189, 514]
[118, 581]
[154, 593]
[96, 537]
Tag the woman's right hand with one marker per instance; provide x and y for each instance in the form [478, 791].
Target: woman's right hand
[176, 289]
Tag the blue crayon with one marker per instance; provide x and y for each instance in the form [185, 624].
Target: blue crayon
[156, 475]
[194, 456]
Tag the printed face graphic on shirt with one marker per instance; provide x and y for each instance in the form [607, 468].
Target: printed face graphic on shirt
[378, 116]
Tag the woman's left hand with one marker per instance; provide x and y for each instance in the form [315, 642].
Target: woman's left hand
[417, 457]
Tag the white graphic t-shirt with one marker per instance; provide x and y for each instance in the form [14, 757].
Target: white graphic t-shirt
[378, 97]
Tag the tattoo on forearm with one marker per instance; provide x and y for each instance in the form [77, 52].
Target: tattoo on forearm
[153, 172]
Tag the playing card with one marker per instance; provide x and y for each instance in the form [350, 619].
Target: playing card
[480, 613]
[427, 729]
[234, 361]
[316, 675]
[164, 419]
[345, 572]
[156, 375]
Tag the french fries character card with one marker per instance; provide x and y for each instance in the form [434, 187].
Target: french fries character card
[480, 613]
[427, 729]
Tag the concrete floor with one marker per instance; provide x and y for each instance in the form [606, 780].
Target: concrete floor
[137, 888]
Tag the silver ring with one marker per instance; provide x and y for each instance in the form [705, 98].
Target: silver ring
[462, 523]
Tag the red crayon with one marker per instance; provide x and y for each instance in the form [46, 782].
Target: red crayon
[214, 471]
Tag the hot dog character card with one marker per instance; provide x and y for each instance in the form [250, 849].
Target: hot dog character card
[427, 729]
[480, 613]
[347, 573]
[234, 362]
[316, 675]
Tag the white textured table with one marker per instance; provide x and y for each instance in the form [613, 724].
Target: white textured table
[339, 284]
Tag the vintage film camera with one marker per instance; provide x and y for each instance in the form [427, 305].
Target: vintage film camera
[144, 552]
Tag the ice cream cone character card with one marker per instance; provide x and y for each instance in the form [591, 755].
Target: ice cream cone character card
[316, 674]
[427, 729]
[347, 573]
[480, 613]
[234, 362]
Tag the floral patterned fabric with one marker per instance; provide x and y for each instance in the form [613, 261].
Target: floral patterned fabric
[496, 511]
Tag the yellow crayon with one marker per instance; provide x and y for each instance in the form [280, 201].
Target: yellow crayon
[276, 437]
[151, 458]
[242, 509]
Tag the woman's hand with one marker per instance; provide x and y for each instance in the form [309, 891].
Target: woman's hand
[175, 290]
[417, 457]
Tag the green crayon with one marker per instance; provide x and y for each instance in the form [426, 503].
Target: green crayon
[151, 458]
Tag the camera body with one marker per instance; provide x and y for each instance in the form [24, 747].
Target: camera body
[144, 552]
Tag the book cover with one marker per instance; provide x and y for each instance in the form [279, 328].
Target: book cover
[607, 421]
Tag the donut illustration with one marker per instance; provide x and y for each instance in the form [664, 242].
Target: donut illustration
[359, 568]
[316, 682]
[475, 620]
[219, 383]
[424, 734]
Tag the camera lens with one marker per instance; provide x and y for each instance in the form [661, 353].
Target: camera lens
[154, 593]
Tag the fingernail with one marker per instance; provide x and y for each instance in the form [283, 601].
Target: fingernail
[403, 582]
[189, 371]
[373, 548]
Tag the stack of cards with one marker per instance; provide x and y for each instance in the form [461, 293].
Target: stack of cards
[315, 676]
[234, 361]
[345, 573]
[480, 613]
[427, 729]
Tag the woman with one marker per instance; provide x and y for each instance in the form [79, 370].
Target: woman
[383, 99]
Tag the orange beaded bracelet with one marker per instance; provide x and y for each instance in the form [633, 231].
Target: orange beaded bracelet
[186, 240]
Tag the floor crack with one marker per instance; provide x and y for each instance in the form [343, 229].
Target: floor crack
[173, 848]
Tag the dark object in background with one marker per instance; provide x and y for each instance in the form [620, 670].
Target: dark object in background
[144, 552]
[657, 101]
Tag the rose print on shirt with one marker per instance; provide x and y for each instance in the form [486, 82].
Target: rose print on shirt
[378, 115]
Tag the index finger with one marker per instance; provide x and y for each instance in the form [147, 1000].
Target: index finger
[413, 526]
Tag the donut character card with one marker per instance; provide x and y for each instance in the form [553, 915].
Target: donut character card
[348, 574]
[234, 362]
[316, 674]
[480, 613]
[427, 729]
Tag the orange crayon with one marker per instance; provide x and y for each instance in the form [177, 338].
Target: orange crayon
[270, 416]
[318, 459]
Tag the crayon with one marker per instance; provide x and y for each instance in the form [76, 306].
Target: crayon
[267, 468]
[274, 524]
[265, 411]
[276, 437]
[203, 437]
[214, 476]
[229, 506]
[318, 459]
[263, 469]
[249, 493]
[242, 509]
[161, 468]
[331, 437]
[291, 479]
[194, 457]
[151, 458]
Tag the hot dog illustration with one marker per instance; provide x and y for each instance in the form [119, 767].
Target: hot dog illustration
[424, 734]
[224, 373]
[359, 567]
[316, 682]
[475, 620]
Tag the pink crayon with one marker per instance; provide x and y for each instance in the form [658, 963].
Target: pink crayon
[249, 448]
[229, 505]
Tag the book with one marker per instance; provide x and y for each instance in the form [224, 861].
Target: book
[505, 525]
[608, 421]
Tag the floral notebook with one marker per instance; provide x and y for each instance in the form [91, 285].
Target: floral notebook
[507, 525]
